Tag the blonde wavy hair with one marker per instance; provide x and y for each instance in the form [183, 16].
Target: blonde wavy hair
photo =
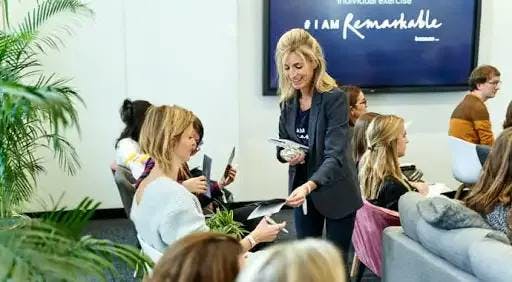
[495, 184]
[305, 45]
[310, 260]
[381, 156]
[161, 131]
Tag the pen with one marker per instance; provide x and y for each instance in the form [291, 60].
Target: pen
[271, 221]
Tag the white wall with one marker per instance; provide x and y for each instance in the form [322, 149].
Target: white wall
[167, 52]
[206, 55]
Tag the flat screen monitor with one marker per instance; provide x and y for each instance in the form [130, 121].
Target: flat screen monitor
[382, 45]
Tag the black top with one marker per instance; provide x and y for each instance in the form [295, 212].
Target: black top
[301, 132]
[301, 126]
[390, 191]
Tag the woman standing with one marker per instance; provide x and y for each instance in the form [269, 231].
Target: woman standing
[314, 113]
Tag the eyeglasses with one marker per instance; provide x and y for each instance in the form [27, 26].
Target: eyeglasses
[495, 83]
[363, 102]
[198, 146]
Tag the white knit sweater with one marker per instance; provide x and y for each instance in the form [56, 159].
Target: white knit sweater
[166, 212]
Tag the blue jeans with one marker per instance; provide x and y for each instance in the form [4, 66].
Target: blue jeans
[338, 231]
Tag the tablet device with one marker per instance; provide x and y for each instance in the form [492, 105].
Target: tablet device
[228, 166]
[207, 168]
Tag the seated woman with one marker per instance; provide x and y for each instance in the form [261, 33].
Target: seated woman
[382, 182]
[310, 260]
[359, 137]
[196, 257]
[356, 101]
[492, 194]
[127, 145]
[163, 210]
[194, 179]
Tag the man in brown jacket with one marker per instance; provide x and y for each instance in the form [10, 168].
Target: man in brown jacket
[470, 119]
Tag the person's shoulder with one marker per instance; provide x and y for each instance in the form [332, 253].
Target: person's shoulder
[334, 91]
[165, 185]
[333, 94]
[127, 142]
[391, 181]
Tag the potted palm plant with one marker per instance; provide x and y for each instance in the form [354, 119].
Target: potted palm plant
[35, 108]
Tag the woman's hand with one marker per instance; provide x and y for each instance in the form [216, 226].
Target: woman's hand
[297, 159]
[196, 185]
[421, 186]
[266, 232]
[231, 175]
[298, 196]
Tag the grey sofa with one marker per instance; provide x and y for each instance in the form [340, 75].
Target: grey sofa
[418, 251]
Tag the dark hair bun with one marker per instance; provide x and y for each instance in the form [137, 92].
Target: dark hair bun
[126, 111]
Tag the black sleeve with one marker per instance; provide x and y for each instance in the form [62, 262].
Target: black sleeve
[389, 194]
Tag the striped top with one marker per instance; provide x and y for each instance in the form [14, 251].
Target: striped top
[470, 122]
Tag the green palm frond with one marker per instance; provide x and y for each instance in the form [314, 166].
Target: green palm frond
[27, 34]
[51, 249]
[32, 118]
[33, 115]
[72, 222]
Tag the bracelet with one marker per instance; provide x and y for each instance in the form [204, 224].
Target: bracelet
[251, 240]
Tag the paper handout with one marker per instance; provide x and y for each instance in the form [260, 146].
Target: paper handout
[436, 189]
[288, 144]
[267, 208]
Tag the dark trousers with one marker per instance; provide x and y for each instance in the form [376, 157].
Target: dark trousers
[338, 231]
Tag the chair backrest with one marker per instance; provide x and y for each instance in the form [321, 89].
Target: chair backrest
[124, 181]
[151, 252]
[466, 166]
[367, 237]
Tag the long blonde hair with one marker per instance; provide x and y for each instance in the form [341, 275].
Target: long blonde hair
[161, 131]
[495, 184]
[304, 44]
[381, 157]
[310, 260]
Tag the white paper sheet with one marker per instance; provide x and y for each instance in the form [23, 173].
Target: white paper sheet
[266, 209]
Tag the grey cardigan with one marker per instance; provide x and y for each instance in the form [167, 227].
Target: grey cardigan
[166, 212]
[329, 164]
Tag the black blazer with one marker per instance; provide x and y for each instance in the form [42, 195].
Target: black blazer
[329, 163]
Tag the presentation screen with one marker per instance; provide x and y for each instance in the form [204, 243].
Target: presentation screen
[382, 45]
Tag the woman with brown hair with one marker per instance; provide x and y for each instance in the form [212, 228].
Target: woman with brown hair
[357, 102]
[492, 194]
[200, 257]
[380, 176]
[359, 137]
